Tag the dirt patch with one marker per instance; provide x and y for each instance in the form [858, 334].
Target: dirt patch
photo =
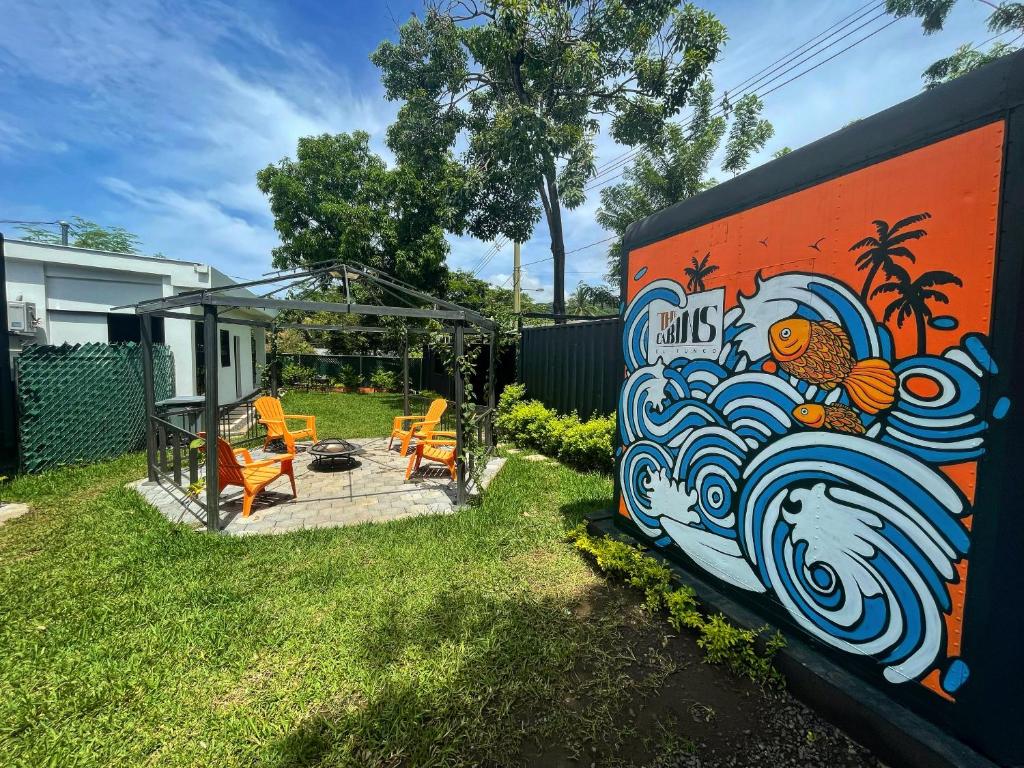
[678, 710]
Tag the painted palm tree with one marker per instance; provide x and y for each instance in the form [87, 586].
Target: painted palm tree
[698, 272]
[879, 251]
[912, 297]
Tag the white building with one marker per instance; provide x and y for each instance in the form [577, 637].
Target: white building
[73, 290]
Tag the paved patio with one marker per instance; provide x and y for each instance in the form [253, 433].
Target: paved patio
[330, 495]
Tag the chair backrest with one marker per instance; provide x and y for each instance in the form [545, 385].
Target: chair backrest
[269, 408]
[228, 467]
[436, 410]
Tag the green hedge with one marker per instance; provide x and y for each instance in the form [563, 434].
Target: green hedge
[530, 424]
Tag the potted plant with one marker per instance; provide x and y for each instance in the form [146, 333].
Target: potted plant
[384, 380]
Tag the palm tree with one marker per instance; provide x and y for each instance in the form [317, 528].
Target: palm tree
[590, 300]
[889, 243]
[700, 270]
[912, 297]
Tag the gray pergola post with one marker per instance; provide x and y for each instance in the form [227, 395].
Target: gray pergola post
[405, 374]
[272, 367]
[148, 393]
[211, 416]
[460, 464]
[492, 388]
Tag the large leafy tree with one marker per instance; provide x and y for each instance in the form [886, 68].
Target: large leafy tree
[677, 166]
[589, 300]
[1005, 17]
[523, 86]
[83, 233]
[339, 200]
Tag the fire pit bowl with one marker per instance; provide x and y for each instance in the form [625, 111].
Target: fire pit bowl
[334, 449]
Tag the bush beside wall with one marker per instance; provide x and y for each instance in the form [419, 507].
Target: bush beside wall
[530, 424]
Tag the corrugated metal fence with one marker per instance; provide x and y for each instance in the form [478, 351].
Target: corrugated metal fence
[573, 366]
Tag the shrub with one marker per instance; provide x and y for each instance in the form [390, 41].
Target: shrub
[384, 380]
[530, 424]
[722, 642]
[348, 377]
[293, 373]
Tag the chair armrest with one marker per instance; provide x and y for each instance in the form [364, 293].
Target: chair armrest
[421, 426]
[268, 462]
[439, 443]
[310, 420]
[399, 420]
[245, 454]
[268, 422]
[444, 433]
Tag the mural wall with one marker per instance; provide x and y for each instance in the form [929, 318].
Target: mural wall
[805, 401]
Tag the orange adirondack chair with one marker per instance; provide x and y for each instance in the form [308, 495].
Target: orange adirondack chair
[252, 476]
[438, 447]
[405, 428]
[273, 417]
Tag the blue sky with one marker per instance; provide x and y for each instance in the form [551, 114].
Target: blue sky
[155, 115]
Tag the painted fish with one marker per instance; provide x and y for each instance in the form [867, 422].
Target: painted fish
[820, 353]
[836, 418]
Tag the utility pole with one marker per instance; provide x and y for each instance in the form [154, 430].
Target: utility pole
[64, 228]
[516, 274]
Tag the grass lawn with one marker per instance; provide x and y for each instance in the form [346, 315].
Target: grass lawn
[478, 638]
[349, 414]
[432, 641]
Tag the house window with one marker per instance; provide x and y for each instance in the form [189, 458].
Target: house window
[225, 349]
[124, 328]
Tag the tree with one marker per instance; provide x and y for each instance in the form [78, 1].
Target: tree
[83, 233]
[589, 300]
[523, 84]
[912, 297]
[781, 152]
[1005, 17]
[879, 252]
[747, 135]
[677, 167]
[963, 60]
[338, 200]
[698, 271]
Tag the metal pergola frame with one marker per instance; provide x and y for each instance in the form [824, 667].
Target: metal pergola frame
[216, 302]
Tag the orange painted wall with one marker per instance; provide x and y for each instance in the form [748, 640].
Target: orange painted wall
[955, 180]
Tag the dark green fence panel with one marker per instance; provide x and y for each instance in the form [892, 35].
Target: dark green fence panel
[573, 366]
[84, 402]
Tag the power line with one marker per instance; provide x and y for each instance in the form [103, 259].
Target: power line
[601, 183]
[33, 223]
[792, 63]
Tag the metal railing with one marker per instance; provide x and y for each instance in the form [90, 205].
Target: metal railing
[176, 458]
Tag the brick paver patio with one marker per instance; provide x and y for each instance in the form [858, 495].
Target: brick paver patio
[330, 495]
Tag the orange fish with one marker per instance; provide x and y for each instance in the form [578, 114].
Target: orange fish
[820, 353]
[838, 418]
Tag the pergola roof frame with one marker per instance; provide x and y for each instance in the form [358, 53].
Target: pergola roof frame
[217, 302]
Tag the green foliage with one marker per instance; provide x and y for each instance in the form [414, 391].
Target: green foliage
[722, 642]
[963, 60]
[384, 380]
[1005, 17]
[293, 373]
[530, 424]
[592, 300]
[781, 152]
[522, 85]
[83, 233]
[348, 377]
[339, 200]
[676, 167]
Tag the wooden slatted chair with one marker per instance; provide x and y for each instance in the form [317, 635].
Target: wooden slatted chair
[273, 417]
[405, 428]
[438, 447]
[252, 476]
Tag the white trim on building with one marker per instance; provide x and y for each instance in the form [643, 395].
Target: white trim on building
[73, 290]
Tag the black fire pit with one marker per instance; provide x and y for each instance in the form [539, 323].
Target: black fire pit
[334, 449]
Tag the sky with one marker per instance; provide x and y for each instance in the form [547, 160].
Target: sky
[155, 115]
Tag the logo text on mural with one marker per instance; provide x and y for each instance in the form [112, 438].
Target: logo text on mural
[691, 330]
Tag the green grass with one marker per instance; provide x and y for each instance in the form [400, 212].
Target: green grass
[449, 640]
[349, 414]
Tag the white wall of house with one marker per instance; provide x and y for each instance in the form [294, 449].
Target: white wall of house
[74, 290]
